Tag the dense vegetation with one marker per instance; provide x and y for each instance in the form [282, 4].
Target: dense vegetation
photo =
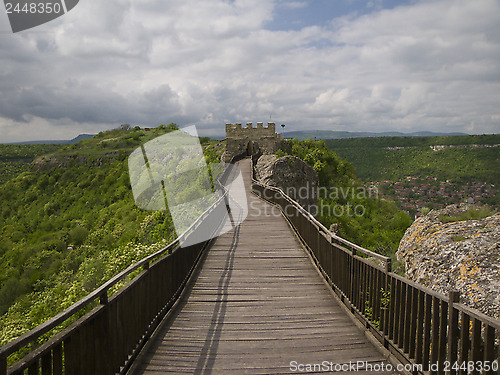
[394, 158]
[361, 217]
[381, 142]
[15, 159]
[70, 223]
[474, 213]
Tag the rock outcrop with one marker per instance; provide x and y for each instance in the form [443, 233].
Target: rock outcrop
[47, 162]
[289, 173]
[445, 253]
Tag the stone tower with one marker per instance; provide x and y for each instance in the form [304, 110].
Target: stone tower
[246, 141]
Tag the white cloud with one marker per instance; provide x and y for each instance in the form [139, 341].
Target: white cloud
[293, 4]
[432, 65]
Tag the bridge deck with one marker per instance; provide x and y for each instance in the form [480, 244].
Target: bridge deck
[256, 305]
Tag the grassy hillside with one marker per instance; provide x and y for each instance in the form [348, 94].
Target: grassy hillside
[70, 223]
[15, 159]
[358, 213]
[334, 134]
[393, 158]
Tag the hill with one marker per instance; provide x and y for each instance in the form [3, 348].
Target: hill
[70, 223]
[15, 159]
[350, 208]
[463, 158]
[332, 134]
[422, 173]
[55, 142]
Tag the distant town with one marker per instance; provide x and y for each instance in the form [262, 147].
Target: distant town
[413, 194]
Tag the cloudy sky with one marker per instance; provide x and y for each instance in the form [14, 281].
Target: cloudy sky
[379, 65]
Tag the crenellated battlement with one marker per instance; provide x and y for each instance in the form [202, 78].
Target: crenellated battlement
[239, 131]
[248, 139]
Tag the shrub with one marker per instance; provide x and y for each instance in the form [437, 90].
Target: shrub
[78, 235]
[475, 213]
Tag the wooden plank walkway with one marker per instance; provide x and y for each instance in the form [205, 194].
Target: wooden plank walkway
[257, 305]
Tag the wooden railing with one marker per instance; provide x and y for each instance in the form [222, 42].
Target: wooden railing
[418, 325]
[426, 331]
[107, 339]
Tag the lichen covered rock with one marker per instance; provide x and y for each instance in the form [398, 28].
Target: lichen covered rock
[289, 173]
[445, 252]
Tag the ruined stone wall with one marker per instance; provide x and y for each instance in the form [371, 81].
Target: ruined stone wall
[250, 140]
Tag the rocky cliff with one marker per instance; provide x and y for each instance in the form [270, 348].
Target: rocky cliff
[455, 249]
[289, 173]
[47, 162]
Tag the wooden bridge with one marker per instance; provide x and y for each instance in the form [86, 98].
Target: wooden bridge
[278, 294]
[256, 305]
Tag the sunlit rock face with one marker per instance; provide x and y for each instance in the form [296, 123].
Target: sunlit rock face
[445, 252]
[289, 173]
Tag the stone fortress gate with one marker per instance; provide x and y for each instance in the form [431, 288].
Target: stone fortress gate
[246, 141]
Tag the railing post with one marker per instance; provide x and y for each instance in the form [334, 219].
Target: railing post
[329, 251]
[489, 347]
[384, 319]
[3, 365]
[351, 275]
[453, 297]
[388, 265]
[103, 298]
[226, 201]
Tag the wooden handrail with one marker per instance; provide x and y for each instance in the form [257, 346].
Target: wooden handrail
[312, 219]
[419, 326]
[476, 314]
[101, 292]
[48, 325]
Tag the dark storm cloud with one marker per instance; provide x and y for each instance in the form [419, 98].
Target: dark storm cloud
[429, 65]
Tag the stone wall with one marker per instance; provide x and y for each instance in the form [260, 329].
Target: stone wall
[250, 140]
